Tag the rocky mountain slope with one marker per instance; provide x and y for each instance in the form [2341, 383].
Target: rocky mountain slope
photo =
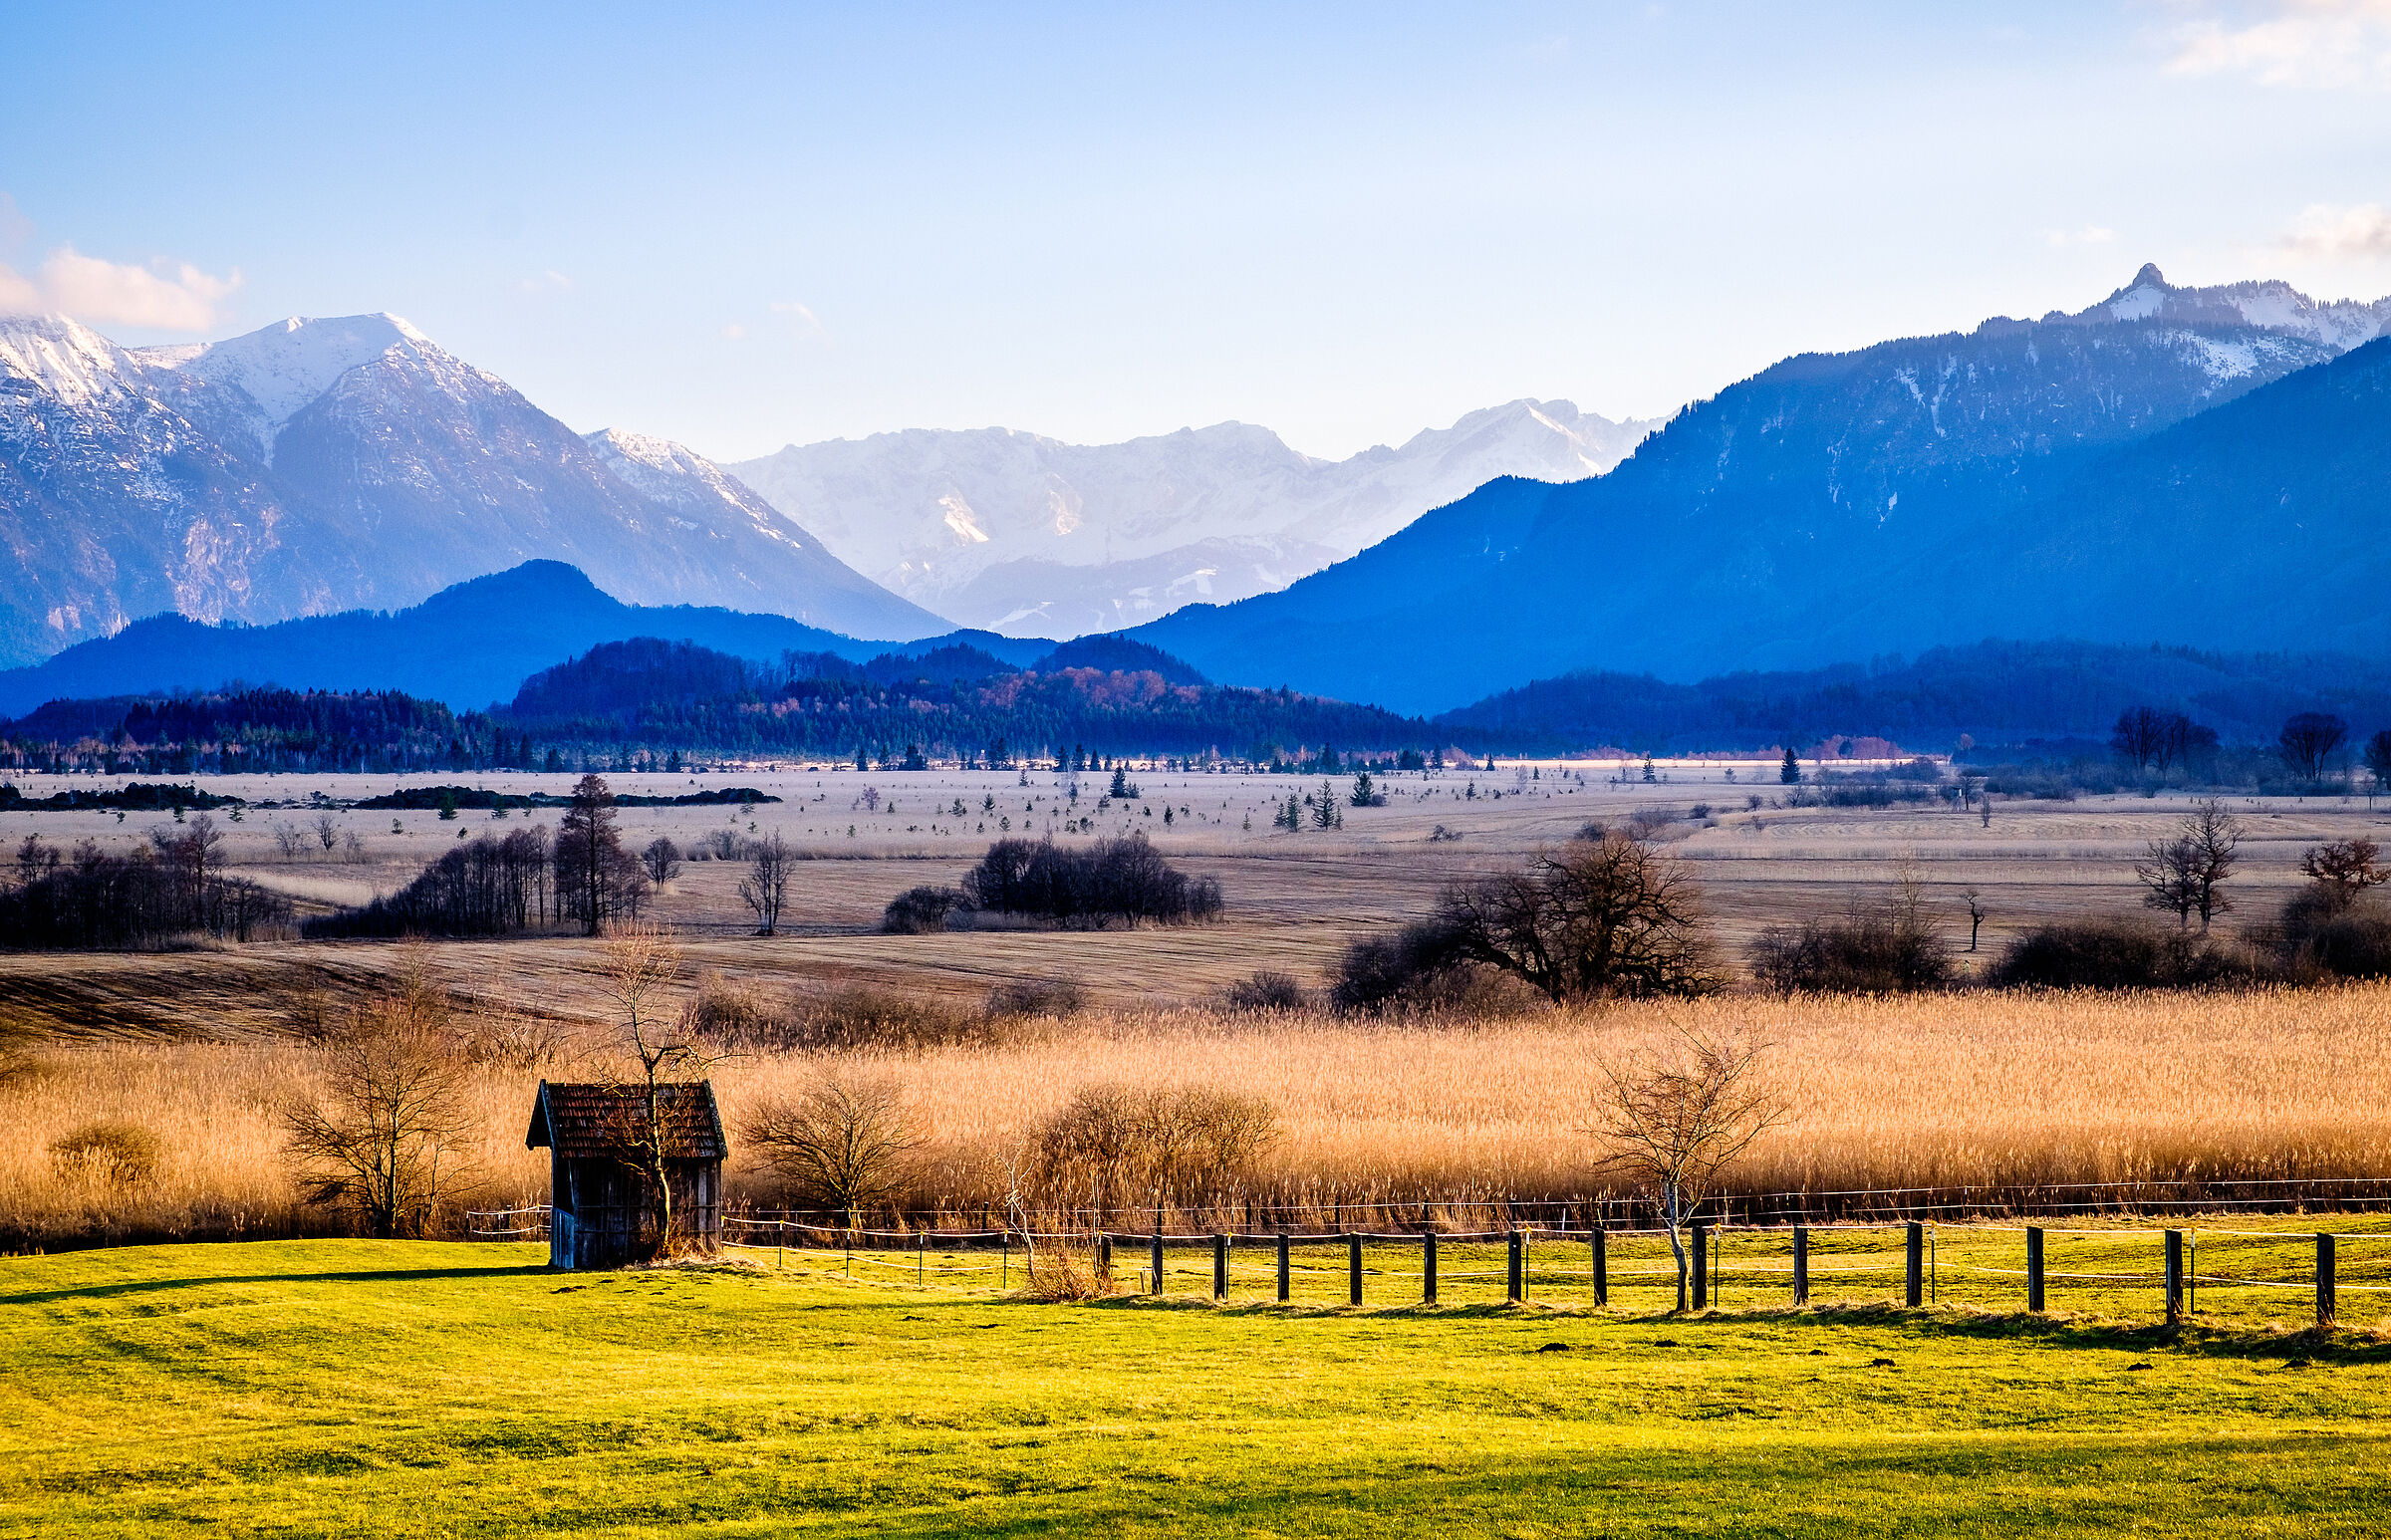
[314, 467]
[1035, 537]
[1921, 491]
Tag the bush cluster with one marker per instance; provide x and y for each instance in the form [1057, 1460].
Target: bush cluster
[1892, 953]
[2116, 954]
[488, 885]
[1123, 878]
[921, 910]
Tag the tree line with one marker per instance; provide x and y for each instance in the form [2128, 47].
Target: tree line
[88, 898]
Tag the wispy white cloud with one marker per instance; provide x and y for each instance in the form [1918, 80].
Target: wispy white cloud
[548, 281]
[2089, 235]
[2315, 45]
[165, 295]
[734, 331]
[807, 323]
[2331, 232]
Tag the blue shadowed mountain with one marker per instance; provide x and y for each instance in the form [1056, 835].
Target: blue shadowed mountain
[2196, 466]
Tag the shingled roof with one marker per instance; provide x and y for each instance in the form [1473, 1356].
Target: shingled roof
[584, 1121]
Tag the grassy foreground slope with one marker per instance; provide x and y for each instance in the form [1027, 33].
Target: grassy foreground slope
[353, 1387]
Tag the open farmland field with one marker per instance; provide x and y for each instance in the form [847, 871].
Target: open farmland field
[341, 1388]
[1293, 900]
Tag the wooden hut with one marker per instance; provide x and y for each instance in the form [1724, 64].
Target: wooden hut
[599, 1202]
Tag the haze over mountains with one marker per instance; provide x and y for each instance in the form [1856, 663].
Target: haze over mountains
[2168, 465]
[1029, 536]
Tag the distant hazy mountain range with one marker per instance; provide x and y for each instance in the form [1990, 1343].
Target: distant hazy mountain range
[322, 465]
[1032, 537]
[2200, 466]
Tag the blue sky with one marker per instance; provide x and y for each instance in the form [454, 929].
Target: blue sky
[739, 227]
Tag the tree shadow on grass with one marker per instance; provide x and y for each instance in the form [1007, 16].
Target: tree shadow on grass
[375, 1275]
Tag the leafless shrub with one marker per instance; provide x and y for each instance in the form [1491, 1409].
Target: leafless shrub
[1266, 990]
[866, 1016]
[921, 910]
[1034, 998]
[119, 1153]
[1174, 1145]
[734, 1015]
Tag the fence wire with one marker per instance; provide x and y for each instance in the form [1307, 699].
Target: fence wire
[2232, 1273]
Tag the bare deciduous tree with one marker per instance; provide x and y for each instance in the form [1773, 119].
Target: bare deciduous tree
[660, 861]
[844, 1141]
[1612, 916]
[2343, 869]
[765, 888]
[641, 963]
[328, 832]
[1671, 1119]
[2309, 740]
[389, 1137]
[2185, 875]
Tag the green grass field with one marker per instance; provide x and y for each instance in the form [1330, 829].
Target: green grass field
[346, 1387]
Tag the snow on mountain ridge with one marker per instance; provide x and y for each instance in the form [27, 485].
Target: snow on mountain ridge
[289, 365]
[1011, 530]
[64, 356]
[2268, 305]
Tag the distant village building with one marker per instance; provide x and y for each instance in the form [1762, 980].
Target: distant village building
[599, 1202]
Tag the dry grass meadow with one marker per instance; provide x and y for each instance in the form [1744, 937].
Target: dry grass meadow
[205, 1047]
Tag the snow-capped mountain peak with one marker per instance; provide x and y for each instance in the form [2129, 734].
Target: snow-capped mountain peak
[286, 367]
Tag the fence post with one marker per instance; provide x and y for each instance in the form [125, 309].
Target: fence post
[1914, 1281]
[1157, 1262]
[2175, 1277]
[2033, 1268]
[1519, 1283]
[1283, 1279]
[2325, 1280]
[1801, 1264]
[922, 1257]
[1602, 1265]
[1701, 1268]
[1220, 1267]
[1427, 1267]
[1104, 1258]
[1353, 1268]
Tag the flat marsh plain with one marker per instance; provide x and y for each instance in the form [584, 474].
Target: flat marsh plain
[342, 1386]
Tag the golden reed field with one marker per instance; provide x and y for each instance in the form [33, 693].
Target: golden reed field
[204, 1048]
[1977, 1090]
